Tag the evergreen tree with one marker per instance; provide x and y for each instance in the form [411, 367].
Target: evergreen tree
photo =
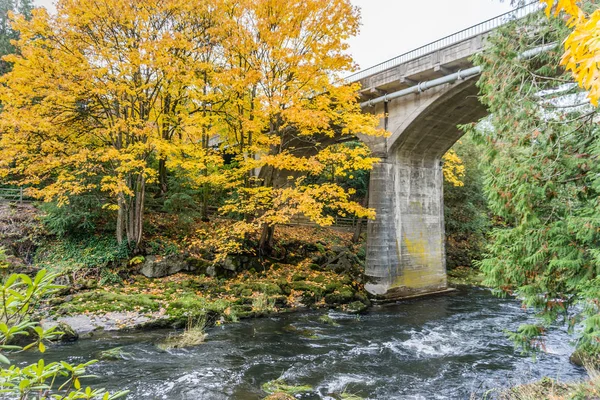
[465, 208]
[542, 182]
[7, 34]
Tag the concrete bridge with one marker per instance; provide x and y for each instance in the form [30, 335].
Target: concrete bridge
[423, 95]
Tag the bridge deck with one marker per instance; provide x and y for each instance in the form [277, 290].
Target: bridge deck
[434, 60]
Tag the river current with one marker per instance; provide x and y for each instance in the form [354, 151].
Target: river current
[447, 347]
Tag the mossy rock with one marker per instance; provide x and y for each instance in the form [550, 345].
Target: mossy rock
[346, 280]
[108, 301]
[356, 307]
[310, 293]
[583, 359]
[280, 300]
[299, 277]
[343, 296]
[319, 279]
[68, 333]
[186, 305]
[114, 354]
[319, 260]
[320, 248]
[306, 287]
[333, 286]
[244, 300]
[266, 288]
[326, 319]
[188, 302]
[363, 298]
[281, 387]
[307, 333]
[285, 289]
[198, 265]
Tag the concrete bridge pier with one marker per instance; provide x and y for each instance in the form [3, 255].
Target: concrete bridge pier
[406, 243]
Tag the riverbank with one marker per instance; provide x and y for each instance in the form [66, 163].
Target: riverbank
[144, 303]
[321, 268]
[170, 301]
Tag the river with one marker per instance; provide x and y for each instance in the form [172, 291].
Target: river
[446, 347]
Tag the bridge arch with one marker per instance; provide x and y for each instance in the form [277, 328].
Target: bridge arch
[406, 241]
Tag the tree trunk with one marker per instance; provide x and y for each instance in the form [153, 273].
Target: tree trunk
[162, 176]
[206, 186]
[136, 212]
[121, 216]
[130, 217]
[205, 217]
[266, 239]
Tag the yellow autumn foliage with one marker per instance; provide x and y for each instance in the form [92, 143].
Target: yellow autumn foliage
[582, 47]
[103, 92]
[453, 169]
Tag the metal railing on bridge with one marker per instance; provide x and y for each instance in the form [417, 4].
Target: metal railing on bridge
[13, 195]
[457, 37]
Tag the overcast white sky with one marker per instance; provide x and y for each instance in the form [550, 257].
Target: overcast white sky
[392, 27]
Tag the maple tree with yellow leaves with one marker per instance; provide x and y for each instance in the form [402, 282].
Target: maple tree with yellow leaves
[582, 47]
[289, 115]
[112, 95]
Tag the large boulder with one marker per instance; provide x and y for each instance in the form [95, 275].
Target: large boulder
[159, 266]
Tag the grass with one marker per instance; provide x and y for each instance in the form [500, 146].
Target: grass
[262, 304]
[193, 335]
[551, 389]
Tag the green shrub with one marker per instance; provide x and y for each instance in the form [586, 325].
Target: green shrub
[20, 294]
[162, 247]
[82, 215]
[107, 277]
[73, 253]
